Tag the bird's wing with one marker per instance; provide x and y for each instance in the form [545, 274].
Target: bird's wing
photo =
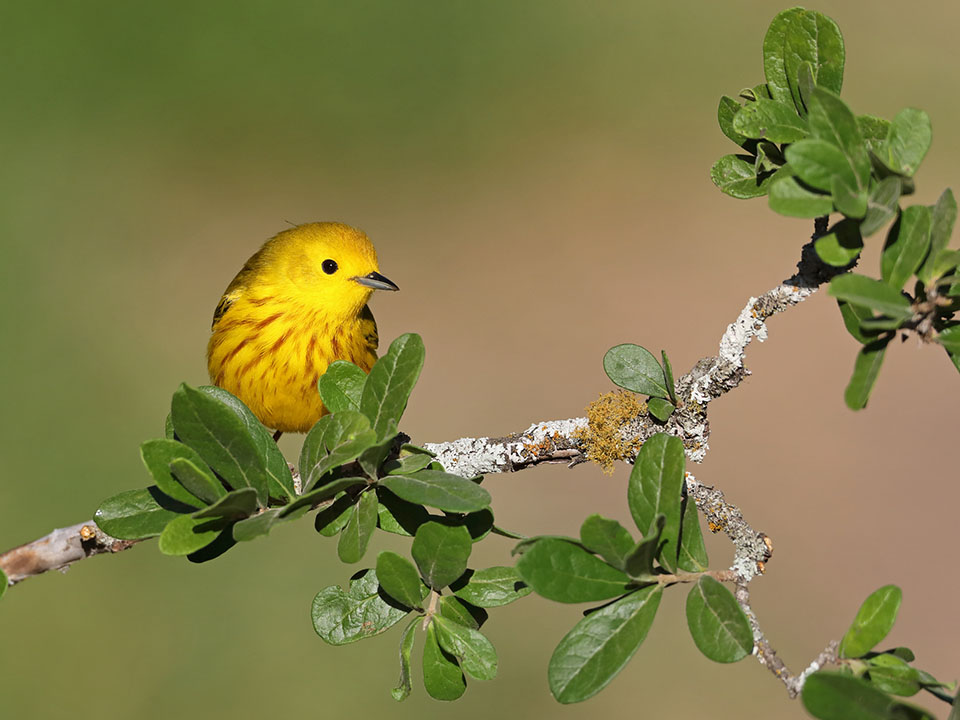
[229, 297]
[368, 326]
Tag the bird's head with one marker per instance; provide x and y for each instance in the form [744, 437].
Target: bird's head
[330, 265]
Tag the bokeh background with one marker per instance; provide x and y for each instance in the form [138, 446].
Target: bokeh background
[535, 177]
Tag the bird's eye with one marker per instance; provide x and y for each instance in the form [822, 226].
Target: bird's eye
[329, 266]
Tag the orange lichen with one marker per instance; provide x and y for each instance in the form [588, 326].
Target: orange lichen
[716, 527]
[544, 447]
[602, 440]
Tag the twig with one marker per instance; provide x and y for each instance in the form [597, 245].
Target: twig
[58, 550]
[752, 549]
[768, 657]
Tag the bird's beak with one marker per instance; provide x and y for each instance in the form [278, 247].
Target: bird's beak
[376, 281]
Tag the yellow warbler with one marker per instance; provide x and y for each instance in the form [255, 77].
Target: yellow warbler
[296, 306]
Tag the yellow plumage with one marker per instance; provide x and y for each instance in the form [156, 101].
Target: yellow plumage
[296, 306]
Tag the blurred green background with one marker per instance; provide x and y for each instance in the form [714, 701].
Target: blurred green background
[535, 177]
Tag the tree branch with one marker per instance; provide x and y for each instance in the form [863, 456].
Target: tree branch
[562, 441]
[58, 550]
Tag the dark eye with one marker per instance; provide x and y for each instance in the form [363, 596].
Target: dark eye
[329, 266]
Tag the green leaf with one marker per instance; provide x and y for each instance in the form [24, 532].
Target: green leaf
[668, 376]
[372, 458]
[865, 371]
[492, 587]
[186, 534]
[441, 552]
[725, 112]
[943, 217]
[660, 409]
[404, 685]
[769, 158]
[774, 56]
[879, 324]
[197, 480]
[391, 381]
[865, 291]
[719, 627]
[811, 37]
[818, 162]
[893, 675]
[460, 611]
[400, 579]
[399, 516]
[608, 538]
[639, 563]
[874, 132]
[356, 534]
[407, 464]
[322, 493]
[332, 442]
[908, 140]
[833, 122]
[600, 645]
[842, 245]
[438, 489]
[770, 120]
[4, 581]
[848, 199]
[341, 386]
[157, 456]
[874, 620]
[257, 526]
[221, 438]
[474, 652]
[840, 696]
[955, 712]
[693, 553]
[946, 261]
[853, 315]
[736, 176]
[479, 523]
[950, 338]
[138, 514]
[655, 487]
[331, 520]
[906, 246]
[636, 369]
[278, 472]
[344, 617]
[881, 205]
[442, 676]
[787, 197]
[234, 505]
[564, 572]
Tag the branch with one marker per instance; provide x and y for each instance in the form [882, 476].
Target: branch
[709, 379]
[561, 441]
[58, 550]
[768, 657]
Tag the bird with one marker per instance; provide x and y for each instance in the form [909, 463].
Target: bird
[297, 305]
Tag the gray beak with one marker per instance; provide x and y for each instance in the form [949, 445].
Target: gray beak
[376, 281]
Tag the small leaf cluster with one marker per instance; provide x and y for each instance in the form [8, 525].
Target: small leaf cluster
[607, 564]
[804, 148]
[634, 368]
[379, 598]
[863, 687]
[221, 479]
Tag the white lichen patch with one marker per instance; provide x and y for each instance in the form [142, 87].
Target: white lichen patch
[469, 457]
